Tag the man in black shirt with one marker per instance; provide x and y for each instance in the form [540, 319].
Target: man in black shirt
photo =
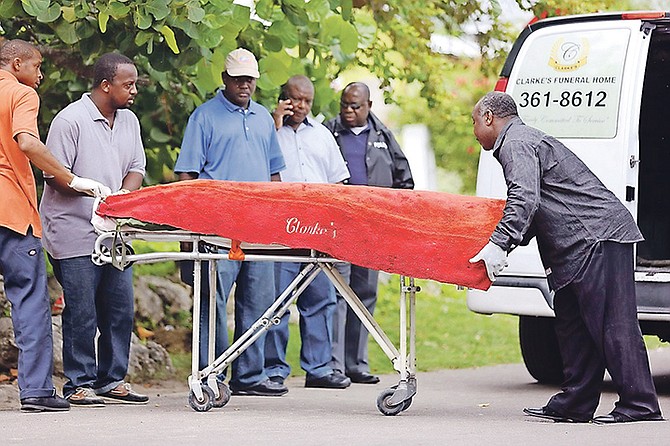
[585, 237]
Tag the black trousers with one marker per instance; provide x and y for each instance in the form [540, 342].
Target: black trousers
[597, 329]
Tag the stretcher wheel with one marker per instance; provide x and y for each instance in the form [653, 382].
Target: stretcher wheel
[224, 395]
[386, 408]
[207, 399]
[406, 404]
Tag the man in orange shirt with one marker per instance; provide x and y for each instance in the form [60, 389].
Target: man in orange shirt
[21, 261]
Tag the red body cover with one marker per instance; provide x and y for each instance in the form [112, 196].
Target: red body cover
[429, 235]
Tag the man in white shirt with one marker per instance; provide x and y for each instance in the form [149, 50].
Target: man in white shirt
[312, 156]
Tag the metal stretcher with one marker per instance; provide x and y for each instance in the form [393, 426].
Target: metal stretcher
[206, 391]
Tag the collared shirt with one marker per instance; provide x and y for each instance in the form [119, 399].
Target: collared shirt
[311, 154]
[551, 194]
[81, 139]
[18, 114]
[224, 141]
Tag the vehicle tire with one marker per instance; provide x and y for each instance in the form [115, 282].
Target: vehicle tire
[539, 349]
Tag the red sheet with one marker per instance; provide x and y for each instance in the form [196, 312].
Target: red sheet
[428, 235]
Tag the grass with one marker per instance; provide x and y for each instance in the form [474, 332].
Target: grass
[448, 335]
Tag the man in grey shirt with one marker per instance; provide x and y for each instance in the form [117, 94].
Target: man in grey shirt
[98, 137]
[585, 236]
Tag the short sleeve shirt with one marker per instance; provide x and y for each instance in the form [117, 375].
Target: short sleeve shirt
[80, 137]
[18, 114]
[223, 141]
[311, 154]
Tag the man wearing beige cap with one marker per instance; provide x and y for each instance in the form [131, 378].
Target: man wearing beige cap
[231, 137]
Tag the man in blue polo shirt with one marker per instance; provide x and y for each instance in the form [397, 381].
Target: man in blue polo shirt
[231, 137]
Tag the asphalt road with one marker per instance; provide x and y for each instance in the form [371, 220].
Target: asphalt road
[455, 407]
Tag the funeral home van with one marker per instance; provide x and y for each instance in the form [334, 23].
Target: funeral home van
[601, 84]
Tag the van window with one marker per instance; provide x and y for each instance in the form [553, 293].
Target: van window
[568, 84]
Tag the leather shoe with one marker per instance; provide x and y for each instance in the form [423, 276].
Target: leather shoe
[265, 388]
[45, 404]
[550, 414]
[330, 381]
[616, 417]
[363, 378]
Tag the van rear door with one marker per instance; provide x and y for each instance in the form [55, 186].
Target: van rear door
[581, 82]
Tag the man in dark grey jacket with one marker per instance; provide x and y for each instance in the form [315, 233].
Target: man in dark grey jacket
[374, 158]
[585, 236]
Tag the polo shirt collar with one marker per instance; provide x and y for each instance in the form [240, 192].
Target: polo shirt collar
[234, 107]
[92, 108]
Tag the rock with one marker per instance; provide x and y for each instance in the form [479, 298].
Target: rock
[9, 352]
[148, 304]
[176, 297]
[148, 361]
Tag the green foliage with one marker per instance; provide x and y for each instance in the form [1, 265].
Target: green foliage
[180, 48]
[161, 269]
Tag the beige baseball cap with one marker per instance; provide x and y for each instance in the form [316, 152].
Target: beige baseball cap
[241, 62]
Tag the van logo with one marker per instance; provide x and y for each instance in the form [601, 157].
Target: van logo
[568, 56]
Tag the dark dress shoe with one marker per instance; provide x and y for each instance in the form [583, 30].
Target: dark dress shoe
[550, 414]
[363, 378]
[45, 404]
[616, 417]
[265, 388]
[330, 381]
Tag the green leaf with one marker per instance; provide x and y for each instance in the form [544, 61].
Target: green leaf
[142, 18]
[103, 18]
[169, 38]
[158, 8]
[66, 33]
[273, 43]
[286, 32]
[346, 6]
[191, 29]
[35, 7]
[68, 13]
[50, 15]
[10, 9]
[241, 15]
[142, 37]
[348, 38]
[195, 13]
[118, 10]
[158, 136]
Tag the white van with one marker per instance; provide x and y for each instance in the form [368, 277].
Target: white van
[601, 84]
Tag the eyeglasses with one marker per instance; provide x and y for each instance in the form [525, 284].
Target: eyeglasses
[351, 105]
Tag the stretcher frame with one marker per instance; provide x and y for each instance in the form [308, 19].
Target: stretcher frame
[206, 391]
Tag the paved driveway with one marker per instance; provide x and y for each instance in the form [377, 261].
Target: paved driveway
[455, 407]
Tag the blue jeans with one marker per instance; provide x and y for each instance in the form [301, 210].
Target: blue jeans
[254, 293]
[24, 271]
[96, 298]
[316, 306]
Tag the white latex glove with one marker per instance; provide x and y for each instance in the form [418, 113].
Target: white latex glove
[89, 186]
[494, 257]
